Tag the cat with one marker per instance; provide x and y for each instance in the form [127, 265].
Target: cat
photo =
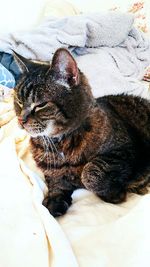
[78, 141]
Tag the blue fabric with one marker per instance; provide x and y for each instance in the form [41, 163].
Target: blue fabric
[6, 78]
[7, 60]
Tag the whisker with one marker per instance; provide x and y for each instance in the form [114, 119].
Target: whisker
[60, 154]
[53, 153]
[47, 154]
[54, 146]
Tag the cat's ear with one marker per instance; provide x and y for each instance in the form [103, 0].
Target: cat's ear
[21, 62]
[65, 67]
[25, 65]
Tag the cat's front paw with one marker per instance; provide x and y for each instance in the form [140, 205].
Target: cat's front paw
[56, 206]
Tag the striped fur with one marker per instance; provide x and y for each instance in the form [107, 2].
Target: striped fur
[80, 142]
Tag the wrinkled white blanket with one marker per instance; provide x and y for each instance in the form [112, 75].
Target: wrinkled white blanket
[92, 233]
[29, 235]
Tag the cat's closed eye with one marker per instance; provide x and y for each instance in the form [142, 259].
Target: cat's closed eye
[40, 106]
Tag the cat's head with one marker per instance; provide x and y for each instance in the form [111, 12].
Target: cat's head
[51, 99]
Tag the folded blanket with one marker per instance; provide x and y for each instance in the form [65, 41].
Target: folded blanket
[123, 51]
[81, 31]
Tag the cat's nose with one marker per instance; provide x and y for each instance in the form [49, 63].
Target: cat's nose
[22, 119]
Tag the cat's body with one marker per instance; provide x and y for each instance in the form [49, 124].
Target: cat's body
[100, 144]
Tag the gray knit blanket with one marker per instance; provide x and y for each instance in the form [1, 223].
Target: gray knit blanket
[108, 48]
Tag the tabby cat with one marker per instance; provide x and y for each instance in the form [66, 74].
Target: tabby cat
[100, 144]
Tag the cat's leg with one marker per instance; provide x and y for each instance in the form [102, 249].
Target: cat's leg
[58, 203]
[107, 179]
[141, 183]
[58, 198]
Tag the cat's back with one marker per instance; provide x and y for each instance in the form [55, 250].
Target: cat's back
[132, 110]
[124, 102]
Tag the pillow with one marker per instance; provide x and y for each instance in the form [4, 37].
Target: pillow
[6, 78]
[59, 8]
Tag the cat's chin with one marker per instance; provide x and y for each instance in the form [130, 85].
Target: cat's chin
[34, 135]
[42, 134]
[45, 133]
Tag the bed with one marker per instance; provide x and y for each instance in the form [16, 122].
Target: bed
[92, 233]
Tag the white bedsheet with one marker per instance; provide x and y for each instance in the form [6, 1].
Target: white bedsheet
[92, 233]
